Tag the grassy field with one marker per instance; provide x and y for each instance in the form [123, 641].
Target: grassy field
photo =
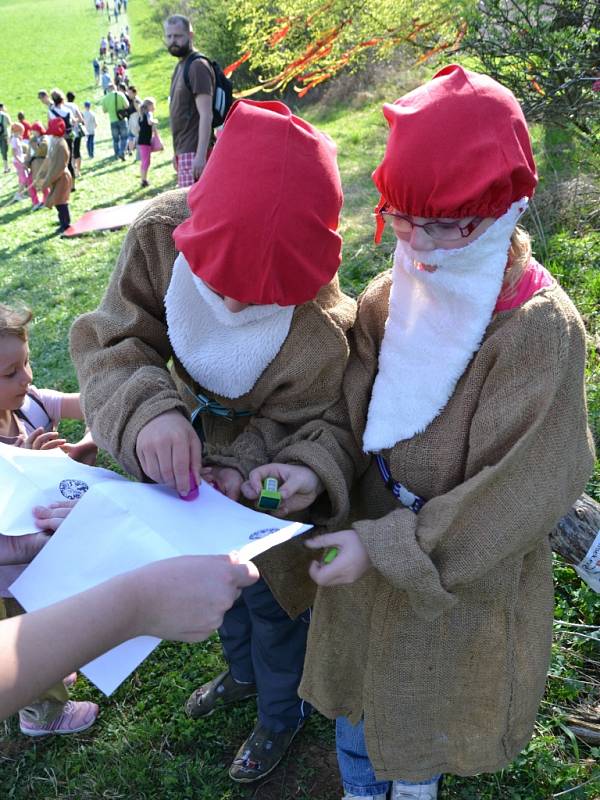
[143, 747]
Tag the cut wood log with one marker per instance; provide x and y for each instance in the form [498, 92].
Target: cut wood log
[576, 531]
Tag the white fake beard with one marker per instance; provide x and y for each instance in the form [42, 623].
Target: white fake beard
[436, 322]
[223, 351]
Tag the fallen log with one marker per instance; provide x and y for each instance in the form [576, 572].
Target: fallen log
[574, 535]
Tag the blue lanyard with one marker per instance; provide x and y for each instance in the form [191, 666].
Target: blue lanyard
[400, 492]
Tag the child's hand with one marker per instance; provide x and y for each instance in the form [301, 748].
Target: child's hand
[50, 517]
[351, 562]
[298, 486]
[226, 479]
[43, 440]
[168, 449]
[85, 451]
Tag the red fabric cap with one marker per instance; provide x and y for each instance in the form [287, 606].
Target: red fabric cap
[38, 128]
[56, 127]
[264, 214]
[458, 147]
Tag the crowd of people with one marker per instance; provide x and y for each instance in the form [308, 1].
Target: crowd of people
[435, 431]
[47, 157]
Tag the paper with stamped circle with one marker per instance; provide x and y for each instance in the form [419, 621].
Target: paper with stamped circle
[121, 525]
[37, 478]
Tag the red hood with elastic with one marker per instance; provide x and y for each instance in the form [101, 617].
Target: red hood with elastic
[265, 212]
[458, 147]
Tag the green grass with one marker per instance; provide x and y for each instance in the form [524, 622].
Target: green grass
[143, 747]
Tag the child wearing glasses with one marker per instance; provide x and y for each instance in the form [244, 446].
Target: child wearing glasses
[463, 431]
[236, 282]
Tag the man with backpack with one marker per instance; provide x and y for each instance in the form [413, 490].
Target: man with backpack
[200, 97]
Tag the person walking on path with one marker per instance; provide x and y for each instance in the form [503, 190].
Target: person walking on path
[78, 131]
[115, 105]
[38, 150]
[89, 119]
[5, 123]
[191, 98]
[55, 174]
[147, 128]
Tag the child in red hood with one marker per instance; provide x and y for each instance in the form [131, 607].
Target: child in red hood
[244, 298]
[55, 173]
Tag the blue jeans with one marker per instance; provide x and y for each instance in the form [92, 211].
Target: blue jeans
[358, 776]
[90, 144]
[119, 132]
[264, 646]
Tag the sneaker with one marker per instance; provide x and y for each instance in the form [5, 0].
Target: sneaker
[419, 791]
[260, 754]
[220, 692]
[364, 797]
[76, 717]
[144, 184]
[38, 206]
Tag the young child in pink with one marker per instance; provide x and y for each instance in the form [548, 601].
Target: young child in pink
[28, 418]
[18, 151]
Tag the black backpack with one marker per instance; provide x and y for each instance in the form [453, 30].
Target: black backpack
[223, 95]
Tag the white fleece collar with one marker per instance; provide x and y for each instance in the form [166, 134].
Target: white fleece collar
[436, 322]
[224, 352]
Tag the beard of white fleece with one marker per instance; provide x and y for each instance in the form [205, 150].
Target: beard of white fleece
[436, 322]
[223, 351]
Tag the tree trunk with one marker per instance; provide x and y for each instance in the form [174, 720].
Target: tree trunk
[576, 531]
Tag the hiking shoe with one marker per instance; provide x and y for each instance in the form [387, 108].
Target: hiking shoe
[419, 791]
[76, 717]
[260, 754]
[221, 691]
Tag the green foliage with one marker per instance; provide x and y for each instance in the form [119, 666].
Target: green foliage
[302, 44]
[546, 51]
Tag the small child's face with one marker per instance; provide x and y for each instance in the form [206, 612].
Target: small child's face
[15, 372]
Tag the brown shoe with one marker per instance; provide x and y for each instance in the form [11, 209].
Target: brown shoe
[220, 692]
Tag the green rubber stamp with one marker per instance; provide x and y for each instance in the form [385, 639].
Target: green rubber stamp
[269, 498]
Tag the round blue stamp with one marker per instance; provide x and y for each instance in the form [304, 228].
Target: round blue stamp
[260, 534]
[73, 489]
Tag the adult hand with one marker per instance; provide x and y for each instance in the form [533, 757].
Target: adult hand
[168, 448]
[226, 479]
[185, 598]
[50, 517]
[351, 562]
[40, 439]
[299, 486]
[21, 549]
[198, 165]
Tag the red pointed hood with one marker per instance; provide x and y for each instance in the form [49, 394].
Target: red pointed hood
[264, 214]
[458, 147]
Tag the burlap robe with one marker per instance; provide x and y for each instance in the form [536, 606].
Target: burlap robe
[443, 646]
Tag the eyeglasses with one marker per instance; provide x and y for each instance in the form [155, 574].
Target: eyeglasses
[441, 231]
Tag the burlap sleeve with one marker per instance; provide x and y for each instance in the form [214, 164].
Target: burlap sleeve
[121, 349]
[331, 445]
[530, 455]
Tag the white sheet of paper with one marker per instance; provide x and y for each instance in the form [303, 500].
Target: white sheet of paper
[118, 526]
[37, 478]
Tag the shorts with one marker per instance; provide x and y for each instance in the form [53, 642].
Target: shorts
[185, 169]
